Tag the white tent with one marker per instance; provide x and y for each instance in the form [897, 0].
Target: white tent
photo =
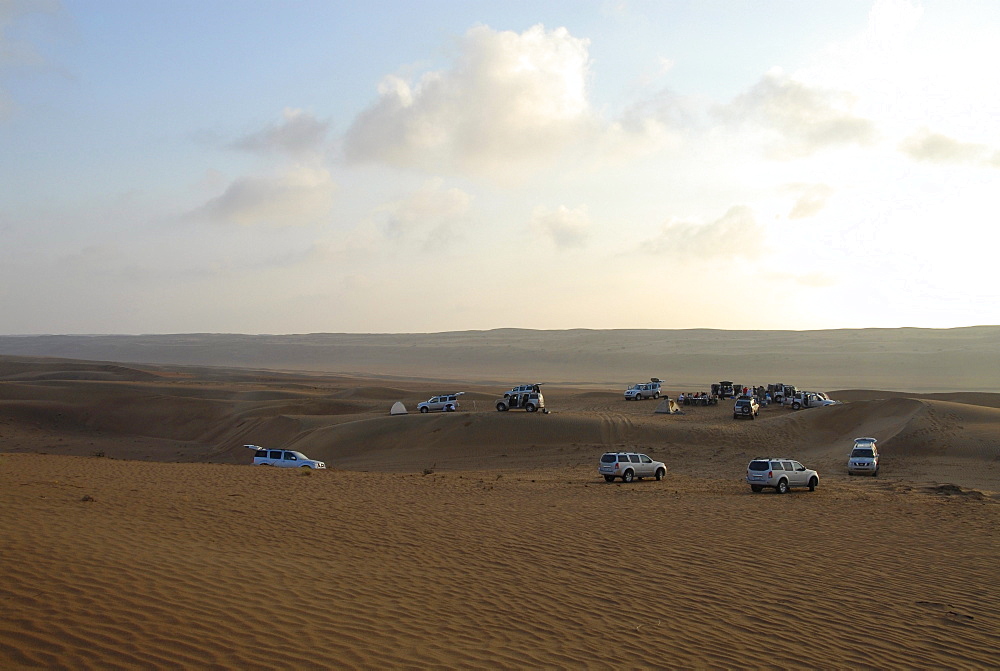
[398, 408]
[668, 406]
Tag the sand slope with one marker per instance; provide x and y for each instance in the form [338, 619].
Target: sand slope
[113, 563]
[479, 539]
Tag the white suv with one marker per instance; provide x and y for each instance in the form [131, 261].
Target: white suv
[282, 458]
[630, 466]
[864, 457]
[780, 473]
[746, 406]
[443, 402]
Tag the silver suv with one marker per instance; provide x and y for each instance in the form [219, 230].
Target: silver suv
[746, 406]
[529, 400]
[780, 473]
[282, 458]
[630, 466]
[864, 457]
[443, 402]
[643, 390]
[523, 389]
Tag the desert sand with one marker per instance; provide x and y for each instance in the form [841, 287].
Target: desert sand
[136, 534]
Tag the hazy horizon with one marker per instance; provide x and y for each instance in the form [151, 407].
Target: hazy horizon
[417, 167]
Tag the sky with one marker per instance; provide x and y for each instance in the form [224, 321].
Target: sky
[177, 166]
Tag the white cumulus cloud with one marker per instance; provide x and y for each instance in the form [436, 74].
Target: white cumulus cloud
[508, 103]
[734, 235]
[298, 134]
[303, 195]
[937, 148]
[799, 119]
[433, 214]
[566, 227]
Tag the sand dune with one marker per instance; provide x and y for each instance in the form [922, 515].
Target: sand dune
[923, 360]
[113, 563]
[480, 539]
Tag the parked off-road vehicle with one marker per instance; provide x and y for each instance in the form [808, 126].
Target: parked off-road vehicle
[526, 396]
[283, 458]
[809, 399]
[629, 466]
[780, 473]
[643, 390]
[746, 407]
[864, 459]
[442, 402]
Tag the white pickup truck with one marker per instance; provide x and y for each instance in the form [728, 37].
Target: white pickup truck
[809, 399]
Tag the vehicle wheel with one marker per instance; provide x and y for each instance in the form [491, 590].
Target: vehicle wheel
[812, 484]
[660, 473]
[305, 467]
[755, 488]
[530, 407]
[782, 487]
[449, 408]
[628, 476]
[423, 409]
[609, 478]
[796, 406]
[656, 395]
[501, 407]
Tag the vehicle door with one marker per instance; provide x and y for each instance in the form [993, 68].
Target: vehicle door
[645, 467]
[636, 463]
[274, 458]
[289, 460]
[796, 473]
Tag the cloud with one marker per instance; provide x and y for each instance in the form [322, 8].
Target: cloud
[433, 215]
[566, 227]
[811, 199]
[936, 148]
[303, 195]
[298, 134]
[735, 234]
[801, 120]
[509, 102]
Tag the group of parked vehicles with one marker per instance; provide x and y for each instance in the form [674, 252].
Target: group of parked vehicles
[778, 473]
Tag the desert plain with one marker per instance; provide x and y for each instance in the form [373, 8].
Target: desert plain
[135, 533]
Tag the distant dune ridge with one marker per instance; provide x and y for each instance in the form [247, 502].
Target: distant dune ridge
[481, 539]
[909, 359]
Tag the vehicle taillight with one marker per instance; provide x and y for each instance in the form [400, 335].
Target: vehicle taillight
[770, 474]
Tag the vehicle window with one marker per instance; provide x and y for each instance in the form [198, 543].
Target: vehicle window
[788, 465]
[276, 454]
[289, 456]
[609, 458]
[634, 458]
[758, 465]
[776, 466]
[645, 459]
[797, 466]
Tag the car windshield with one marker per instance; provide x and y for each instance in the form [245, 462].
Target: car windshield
[759, 465]
[863, 452]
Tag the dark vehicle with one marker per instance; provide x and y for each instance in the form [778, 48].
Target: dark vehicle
[725, 389]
